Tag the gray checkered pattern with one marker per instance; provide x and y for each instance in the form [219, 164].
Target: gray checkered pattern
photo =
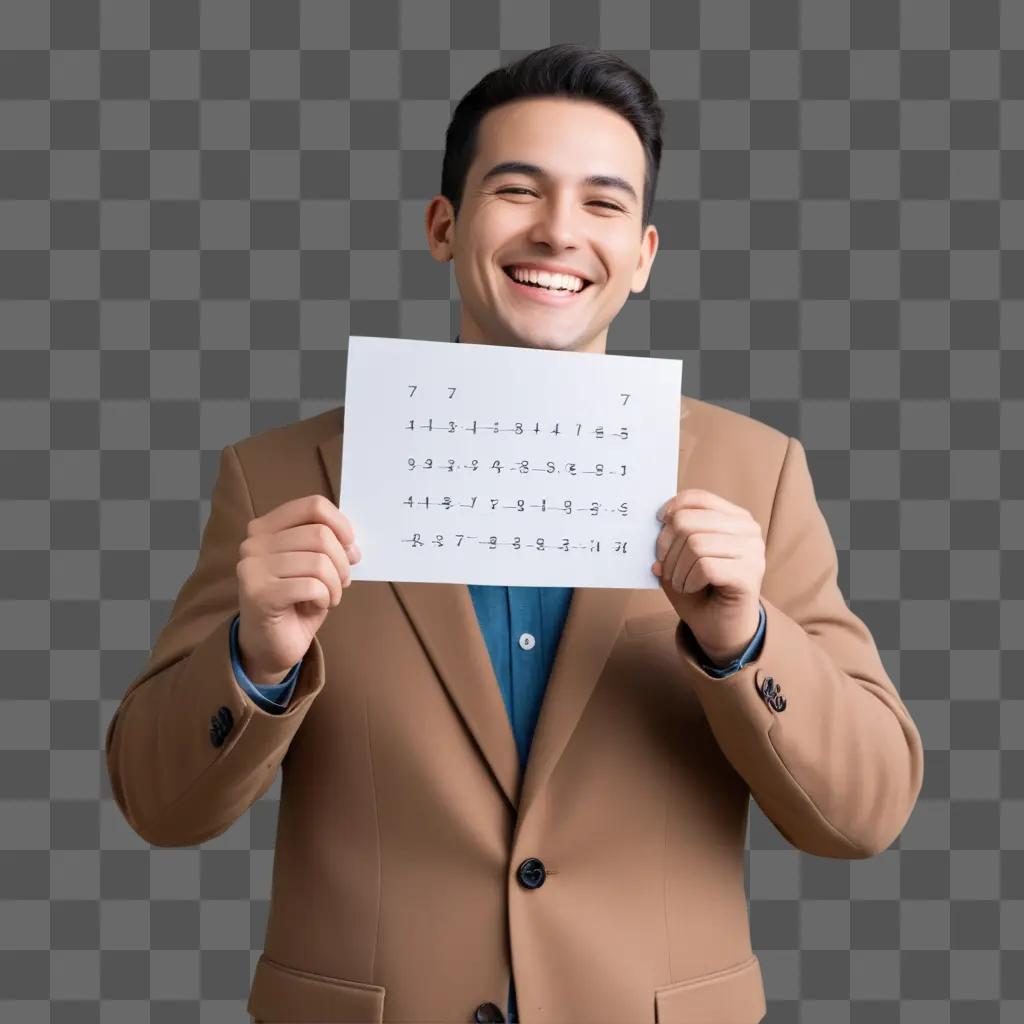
[200, 202]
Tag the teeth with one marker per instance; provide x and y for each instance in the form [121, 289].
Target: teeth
[553, 282]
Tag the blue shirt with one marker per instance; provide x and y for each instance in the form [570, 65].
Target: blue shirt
[521, 627]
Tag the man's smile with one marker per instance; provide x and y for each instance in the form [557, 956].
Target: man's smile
[549, 289]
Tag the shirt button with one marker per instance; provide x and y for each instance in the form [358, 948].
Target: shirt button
[527, 641]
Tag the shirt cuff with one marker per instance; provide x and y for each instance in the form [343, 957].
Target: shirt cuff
[753, 651]
[273, 697]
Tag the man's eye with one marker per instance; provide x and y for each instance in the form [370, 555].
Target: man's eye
[518, 189]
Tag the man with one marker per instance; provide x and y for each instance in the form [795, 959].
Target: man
[521, 803]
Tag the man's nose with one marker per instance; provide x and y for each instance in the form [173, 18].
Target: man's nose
[556, 223]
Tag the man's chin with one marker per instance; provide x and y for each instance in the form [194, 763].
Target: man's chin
[524, 336]
[559, 336]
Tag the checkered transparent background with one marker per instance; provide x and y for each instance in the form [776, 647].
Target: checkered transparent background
[200, 202]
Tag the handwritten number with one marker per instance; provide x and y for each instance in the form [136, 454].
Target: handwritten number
[523, 467]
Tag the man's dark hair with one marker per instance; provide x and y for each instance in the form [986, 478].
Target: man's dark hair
[565, 69]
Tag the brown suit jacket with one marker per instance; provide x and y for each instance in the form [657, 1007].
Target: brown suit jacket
[404, 816]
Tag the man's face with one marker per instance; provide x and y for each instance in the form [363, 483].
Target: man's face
[549, 218]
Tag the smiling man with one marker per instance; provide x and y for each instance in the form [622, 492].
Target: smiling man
[521, 803]
[545, 206]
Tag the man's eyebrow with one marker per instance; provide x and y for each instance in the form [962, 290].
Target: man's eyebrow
[519, 167]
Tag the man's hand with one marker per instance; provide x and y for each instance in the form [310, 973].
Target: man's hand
[293, 568]
[711, 560]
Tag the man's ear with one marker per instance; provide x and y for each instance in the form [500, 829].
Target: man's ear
[439, 220]
[648, 250]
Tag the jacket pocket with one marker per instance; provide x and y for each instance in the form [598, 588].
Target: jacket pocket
[288, 995]
[734, 995]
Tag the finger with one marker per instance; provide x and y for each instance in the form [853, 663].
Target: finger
[312, 508]
[705, 562]
[697, 520]
[668, 563]
[294, 590]
[317, 564]
[311, 537]
[695, 497]
[683, 552]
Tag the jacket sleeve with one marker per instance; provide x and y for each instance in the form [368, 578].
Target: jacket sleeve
[813, 723]
[187, 751]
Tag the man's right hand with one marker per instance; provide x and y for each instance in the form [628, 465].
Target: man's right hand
[293, 567]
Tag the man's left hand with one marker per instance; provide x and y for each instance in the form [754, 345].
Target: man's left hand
[711, 560]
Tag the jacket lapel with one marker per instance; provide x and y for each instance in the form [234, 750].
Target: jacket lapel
[444, 618]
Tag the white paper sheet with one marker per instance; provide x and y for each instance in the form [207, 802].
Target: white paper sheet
[466, 463]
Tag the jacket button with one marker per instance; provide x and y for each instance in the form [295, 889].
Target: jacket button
[771, 692]
[488, 1013]
[531, 873]
[220, 725]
